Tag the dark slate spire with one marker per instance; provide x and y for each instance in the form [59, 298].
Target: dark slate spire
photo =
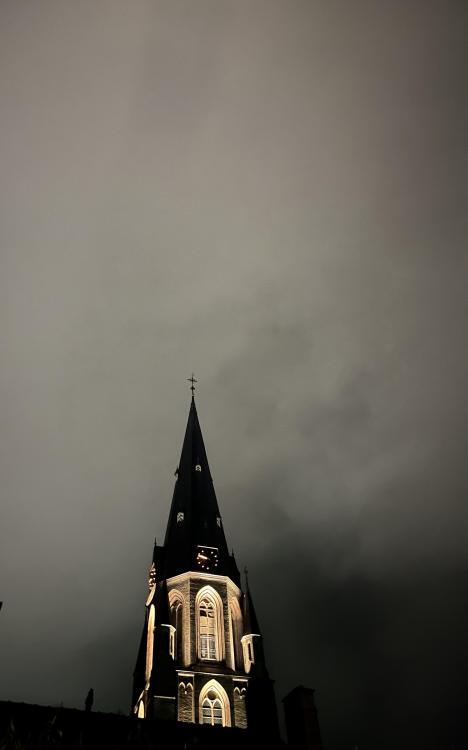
[194, 519]
[251, 626]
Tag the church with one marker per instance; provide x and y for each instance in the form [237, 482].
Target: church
[201, 658]
[200, 679]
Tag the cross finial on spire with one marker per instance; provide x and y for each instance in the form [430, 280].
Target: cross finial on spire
[192, 381]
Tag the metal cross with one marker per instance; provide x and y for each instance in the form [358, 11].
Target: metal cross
[192, 381]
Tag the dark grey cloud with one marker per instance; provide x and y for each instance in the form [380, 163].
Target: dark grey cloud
[272, 195]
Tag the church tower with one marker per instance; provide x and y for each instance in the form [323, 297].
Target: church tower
[201, 656]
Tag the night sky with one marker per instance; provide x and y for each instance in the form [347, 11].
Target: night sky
[272, 195]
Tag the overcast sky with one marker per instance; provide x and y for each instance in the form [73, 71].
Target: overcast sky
[273, 195]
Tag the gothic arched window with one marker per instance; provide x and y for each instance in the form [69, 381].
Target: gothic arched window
[207, 629]
[214, 705]
[209, 609]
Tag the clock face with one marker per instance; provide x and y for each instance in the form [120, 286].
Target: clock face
[207, 558]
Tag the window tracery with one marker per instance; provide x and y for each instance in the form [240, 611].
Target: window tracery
[214, 707]
[207, 629]
[209, 625]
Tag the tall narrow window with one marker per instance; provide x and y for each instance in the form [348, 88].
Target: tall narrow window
[207, 629]
[209, 624]
[212, 710]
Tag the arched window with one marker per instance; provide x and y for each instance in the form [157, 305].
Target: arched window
[207, 629]
[177, 609]
[214, 705]
[210, 638]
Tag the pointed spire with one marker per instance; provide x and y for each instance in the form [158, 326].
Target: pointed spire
[251, 626]
[194, 519]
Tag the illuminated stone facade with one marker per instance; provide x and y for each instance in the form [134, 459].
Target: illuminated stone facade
[201, 657]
